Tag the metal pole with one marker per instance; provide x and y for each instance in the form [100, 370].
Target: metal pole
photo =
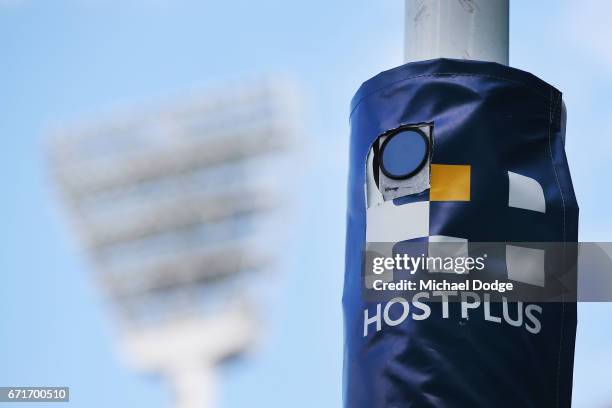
[462, 29]
[195, 385]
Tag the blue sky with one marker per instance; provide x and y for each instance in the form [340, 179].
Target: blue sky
[62, 60]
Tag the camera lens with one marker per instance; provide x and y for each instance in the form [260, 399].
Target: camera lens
[404, 154]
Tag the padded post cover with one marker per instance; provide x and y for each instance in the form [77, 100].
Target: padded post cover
[495, 170]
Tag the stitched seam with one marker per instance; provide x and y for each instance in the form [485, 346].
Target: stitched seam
[553, 162]
[561, 336]
[448, 74]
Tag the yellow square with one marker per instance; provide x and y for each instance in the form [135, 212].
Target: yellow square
[450, 182]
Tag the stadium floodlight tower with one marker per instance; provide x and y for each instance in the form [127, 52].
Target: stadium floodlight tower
[461, 29]
[177, 209]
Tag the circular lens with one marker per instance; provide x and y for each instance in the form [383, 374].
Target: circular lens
[404, 154]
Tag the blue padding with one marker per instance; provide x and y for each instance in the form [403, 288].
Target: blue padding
[495, 119]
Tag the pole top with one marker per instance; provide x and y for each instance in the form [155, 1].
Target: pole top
[460, 29]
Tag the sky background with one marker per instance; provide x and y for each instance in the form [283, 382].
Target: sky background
[64, 60]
